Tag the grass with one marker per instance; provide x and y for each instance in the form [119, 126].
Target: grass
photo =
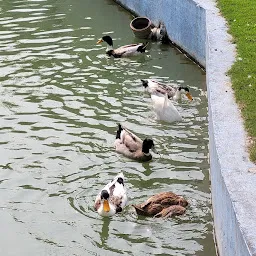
[241, 17]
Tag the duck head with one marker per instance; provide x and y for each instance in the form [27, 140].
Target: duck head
[144, 82]
[104, 198]
[106, 39]
[147, 145]
[185, 90]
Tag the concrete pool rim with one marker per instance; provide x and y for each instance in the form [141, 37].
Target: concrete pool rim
[202, 33]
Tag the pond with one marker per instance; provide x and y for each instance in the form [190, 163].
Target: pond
[61, 99]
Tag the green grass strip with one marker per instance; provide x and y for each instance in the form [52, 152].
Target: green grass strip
[241, 17]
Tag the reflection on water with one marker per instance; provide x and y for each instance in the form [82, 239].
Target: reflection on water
[60, 101]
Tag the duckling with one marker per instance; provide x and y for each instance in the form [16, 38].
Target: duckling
[132, 146]
[112, 198]
[164, 204]
[160, 89]
[164, 109]
[123, 51]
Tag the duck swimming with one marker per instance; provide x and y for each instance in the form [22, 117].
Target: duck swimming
[164, 109]
[132, 146]
[123, 51]
[112, 198]
[160, 89]
[164, 204]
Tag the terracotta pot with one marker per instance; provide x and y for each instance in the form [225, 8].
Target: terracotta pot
[141, 27]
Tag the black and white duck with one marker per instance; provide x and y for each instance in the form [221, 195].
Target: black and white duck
[112, 198]
[160, 89]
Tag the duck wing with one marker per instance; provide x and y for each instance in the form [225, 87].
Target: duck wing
[130, 140]
[171, 211]
[122, 133]
[127, 46]
[119, 197]
[163, 198]
[149, 211]
[117, 191]
[128, 50]
[155, 87]
[132, 135]
[169, 90]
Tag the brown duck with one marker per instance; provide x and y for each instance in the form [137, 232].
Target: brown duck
[165, 204]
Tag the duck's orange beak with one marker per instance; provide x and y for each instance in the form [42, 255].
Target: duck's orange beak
[189, 96]
[106, 207]
[99, 41]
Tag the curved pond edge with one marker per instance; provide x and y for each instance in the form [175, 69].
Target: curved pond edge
[199, 29]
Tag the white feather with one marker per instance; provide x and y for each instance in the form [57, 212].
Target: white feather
[118, 192]
[164, 109]
[152, 87]
[128, 50]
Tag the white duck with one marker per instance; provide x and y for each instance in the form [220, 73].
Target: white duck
[164, 109]
[160, 89]
[123, 51]
[112, 198]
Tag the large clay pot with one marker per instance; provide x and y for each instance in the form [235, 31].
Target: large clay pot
[141, 27]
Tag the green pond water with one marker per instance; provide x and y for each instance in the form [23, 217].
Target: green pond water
[61, 99]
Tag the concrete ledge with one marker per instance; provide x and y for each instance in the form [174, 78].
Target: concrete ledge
[198, 28]
[233, 185]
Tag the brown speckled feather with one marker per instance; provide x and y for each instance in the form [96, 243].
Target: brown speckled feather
[160, 203]
[171, 211]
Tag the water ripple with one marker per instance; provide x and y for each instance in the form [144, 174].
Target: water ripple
[61, 99]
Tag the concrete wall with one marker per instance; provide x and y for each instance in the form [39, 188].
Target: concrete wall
[188, 32]
[198, 28]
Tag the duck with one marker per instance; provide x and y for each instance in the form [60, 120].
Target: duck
[160, 89]
[164, 109]
[164, 204]
[123, 51]
[131, 146]
[112, 198]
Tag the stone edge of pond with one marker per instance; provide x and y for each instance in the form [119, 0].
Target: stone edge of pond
[233, 177]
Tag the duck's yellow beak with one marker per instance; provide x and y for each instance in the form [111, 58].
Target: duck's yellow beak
[100, 41]
[189, 96]
[106, 207]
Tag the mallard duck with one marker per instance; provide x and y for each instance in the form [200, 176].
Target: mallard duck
[160, 89]
[164, 109]
[112, 198]
[132, 146]
[123, 51]
[164, 204]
